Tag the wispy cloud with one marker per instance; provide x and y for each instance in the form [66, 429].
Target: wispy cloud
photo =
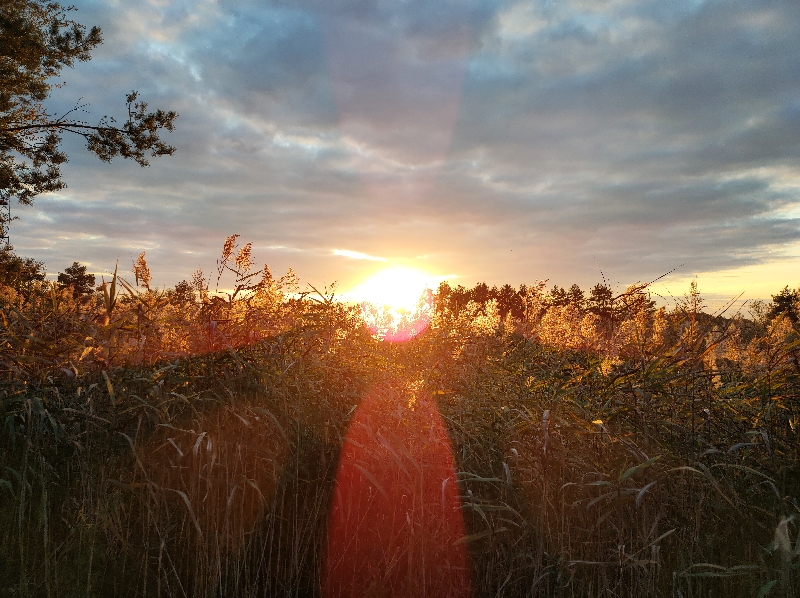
[357, 255]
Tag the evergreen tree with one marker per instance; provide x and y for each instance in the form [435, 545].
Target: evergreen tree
[576, 297]
[558, 296]
[481, 293]
[19, 272]
[78, 279]
[509, 301]
[600, 301]
[459, 297]
[786, 302]
[37, 40]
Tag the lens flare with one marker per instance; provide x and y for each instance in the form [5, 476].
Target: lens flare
[395, 526]
[397, 303]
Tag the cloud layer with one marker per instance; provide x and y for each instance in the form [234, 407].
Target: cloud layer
[505, 141]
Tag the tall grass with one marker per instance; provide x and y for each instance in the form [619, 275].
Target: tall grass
[186, 443]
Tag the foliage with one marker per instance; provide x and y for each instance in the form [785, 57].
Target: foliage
[37, 40]
[19, 273]
[786, 302]
[185, 442]
[76, 278]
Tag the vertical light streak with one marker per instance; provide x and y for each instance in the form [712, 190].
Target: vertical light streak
[395, 526]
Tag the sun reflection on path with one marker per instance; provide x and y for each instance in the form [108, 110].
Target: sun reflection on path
[395, 526]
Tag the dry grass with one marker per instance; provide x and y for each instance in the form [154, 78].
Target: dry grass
[155, 445]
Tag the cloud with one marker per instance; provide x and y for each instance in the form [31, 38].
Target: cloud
[357, 255]
[506, 141]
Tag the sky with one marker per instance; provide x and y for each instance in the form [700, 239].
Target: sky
[506, 142]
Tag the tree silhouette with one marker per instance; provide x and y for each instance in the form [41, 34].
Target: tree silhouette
[557, 297]
[76, 277]
[600, 301]
[786, 302]
[19, 272]
[37, 40]
[480, 294]
[576, 297]
[509, 301]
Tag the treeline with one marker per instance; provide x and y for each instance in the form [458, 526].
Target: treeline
[600, 300]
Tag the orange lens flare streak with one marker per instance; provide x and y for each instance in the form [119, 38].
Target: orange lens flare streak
[395, 526]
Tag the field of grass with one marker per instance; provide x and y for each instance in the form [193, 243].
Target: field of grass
[186, 442]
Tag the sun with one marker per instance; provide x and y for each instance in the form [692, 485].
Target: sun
[396, 288]
[396, 303]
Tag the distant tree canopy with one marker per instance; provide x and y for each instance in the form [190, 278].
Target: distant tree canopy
[182, 294]
[19, 272]
[786, 302]
[37, 40]
[77, 278]
[509, 300]
[601, 300]
[610, 308]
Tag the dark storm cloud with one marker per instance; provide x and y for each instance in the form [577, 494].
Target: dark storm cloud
[504, 140]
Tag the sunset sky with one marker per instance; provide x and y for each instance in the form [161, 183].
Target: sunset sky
[476, 140]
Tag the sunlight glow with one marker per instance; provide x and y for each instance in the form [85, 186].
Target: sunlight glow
[397, 303]
[398, 288]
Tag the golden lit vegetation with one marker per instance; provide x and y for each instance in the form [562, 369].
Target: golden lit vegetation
[185, 442]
